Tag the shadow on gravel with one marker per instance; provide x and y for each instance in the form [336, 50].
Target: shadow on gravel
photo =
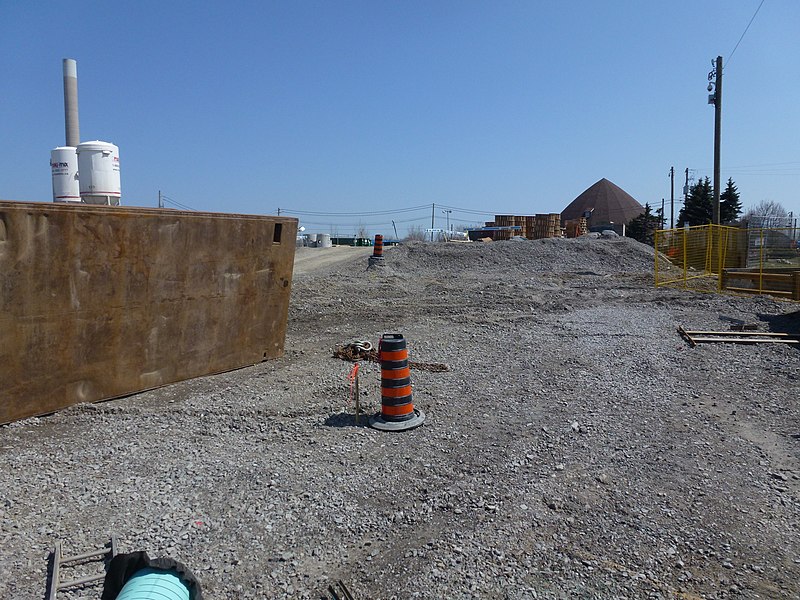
[347, 420]
[51, 559]
[786, 323]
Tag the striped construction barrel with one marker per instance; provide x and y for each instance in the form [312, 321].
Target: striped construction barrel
[396, 399]
[378, 247]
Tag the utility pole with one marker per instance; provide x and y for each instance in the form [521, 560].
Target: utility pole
[433, 216]
[663, 220]
[279, 212]
[672, 197]
[715, 84]
[396, 237]
[686, 187]
[447, 227]
[160, 201]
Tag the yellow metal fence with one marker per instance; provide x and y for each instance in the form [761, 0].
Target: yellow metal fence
[729, 259]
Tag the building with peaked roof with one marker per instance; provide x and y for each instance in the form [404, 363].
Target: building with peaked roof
[608, 204]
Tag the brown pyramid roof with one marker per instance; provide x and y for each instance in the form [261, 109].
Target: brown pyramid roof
[610, 202]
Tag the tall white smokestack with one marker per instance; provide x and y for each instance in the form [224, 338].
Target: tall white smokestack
[72, 126]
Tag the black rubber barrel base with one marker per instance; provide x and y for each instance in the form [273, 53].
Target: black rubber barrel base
[378, 422]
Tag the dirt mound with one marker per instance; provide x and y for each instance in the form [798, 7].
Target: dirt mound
[581, 255]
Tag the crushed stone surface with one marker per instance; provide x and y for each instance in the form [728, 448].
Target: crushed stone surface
[577, 446]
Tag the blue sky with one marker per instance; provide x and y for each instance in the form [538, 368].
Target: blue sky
[358, 107]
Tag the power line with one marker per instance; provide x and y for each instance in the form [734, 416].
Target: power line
[392, 211]
[730, 56]
[178, 204]
[758, 171]
[355, 214]
[791, 162]
[467, 210]
[351, 223]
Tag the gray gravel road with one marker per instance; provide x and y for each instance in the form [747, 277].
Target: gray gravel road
[577, 447]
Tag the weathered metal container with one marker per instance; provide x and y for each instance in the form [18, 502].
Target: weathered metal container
[99, 302]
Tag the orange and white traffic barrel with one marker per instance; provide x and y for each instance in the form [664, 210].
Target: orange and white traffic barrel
[377, 251]
[397, 406]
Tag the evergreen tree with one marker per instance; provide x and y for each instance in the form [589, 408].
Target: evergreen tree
[729, 205]
[698, 209]
[643, 227]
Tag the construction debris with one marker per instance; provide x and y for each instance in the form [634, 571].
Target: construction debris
[359, 350]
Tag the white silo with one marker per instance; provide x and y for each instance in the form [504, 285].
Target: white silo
[64, 168]
[98, 170]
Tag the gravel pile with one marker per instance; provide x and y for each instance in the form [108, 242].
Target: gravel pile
[577, 447]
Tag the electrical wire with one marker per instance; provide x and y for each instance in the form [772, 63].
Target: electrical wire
[466, 210]
[178, 204]
[791, 168]
[730, 56]
[354, 214]
[350, 223]
[791, 162]
[384, 212]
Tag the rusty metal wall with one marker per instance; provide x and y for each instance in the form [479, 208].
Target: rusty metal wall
[99, 302]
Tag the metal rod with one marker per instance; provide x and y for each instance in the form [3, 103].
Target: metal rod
[93, 553]
[81, 581]
[347, 594]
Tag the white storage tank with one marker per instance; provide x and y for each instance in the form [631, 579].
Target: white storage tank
[324, 240]
[98, 172]
[64, 169]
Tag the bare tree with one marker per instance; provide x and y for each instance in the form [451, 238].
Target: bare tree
[362, 231]
[416, 233]
[767, 214]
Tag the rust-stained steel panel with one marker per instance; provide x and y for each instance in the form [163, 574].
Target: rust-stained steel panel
[99, 302]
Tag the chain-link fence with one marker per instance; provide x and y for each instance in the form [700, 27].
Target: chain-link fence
[729, 259]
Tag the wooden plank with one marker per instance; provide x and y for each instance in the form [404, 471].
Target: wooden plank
[758, 291]
[796, 285]
[685, 334]
[756, 275]
[98, 302]
[746, 333]
[746, 340]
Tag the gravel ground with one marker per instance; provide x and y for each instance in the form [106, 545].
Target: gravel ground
[577, 447]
